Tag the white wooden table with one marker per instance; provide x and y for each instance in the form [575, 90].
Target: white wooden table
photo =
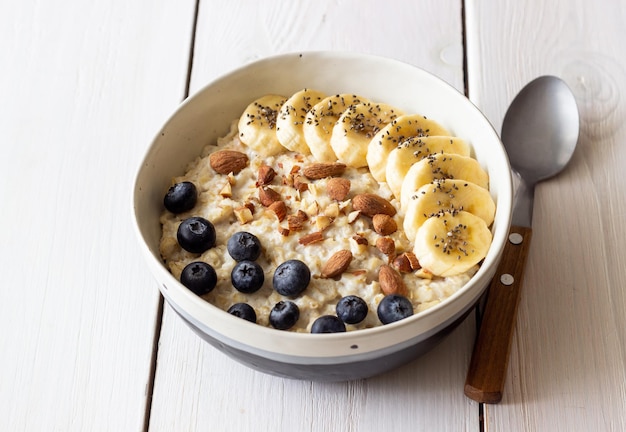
[85, 342]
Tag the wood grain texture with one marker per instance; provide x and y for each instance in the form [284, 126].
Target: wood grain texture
[196, 386]
[85, 86]
[199, 388]
[425, 33]
[490, 358]
[568, 360]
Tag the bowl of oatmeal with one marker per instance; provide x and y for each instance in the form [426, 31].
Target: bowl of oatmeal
[324, 215]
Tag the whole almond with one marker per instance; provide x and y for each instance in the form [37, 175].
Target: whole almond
[387, 246]
[228, 161]
[390, 281]
[371, 204]
[337, 264]
[268, 196]
[384, 224]
[320, 170]
[265, 175]
[338, 188]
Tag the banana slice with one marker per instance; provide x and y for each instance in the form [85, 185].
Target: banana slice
[257, 125]
[414, 149]
[452, 244]
[291, 118]
[447, 196]
[320, 120]
[356, 127]
[441, 166]
[389, 137]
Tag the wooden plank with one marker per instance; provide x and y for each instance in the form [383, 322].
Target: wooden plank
[197, 387]
[85, 87]
[232, 34]
[567, 369]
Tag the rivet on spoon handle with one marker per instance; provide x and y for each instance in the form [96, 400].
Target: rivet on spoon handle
[490, 358]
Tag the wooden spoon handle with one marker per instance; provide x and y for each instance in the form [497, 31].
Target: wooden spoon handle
[488, 366]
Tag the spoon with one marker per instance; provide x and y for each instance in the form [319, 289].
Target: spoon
[540, 132]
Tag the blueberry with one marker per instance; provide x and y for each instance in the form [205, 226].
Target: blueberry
[243, 310]
[196, 234]
[351, 309]
[181, 197]
[328, 324]
[291, 278]
[284, 315]
[394, 308]
[247, 276]
[199, 277]
[243, 246]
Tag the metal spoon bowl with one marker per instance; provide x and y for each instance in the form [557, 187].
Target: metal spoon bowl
[540, 132]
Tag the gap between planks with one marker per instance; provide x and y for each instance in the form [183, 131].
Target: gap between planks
[159, 316]
[478, 309]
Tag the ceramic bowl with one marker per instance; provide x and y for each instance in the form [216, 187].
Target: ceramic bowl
[207, 115]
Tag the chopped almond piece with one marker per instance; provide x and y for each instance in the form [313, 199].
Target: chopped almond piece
[280, 209]
[402, 264]
[300, 183]
[226, 191]
[322, 222]
[265, 175]
[296, 222]
[415, 264]
[243, 214]
[267, 196]
[360, 240]
[314, 237]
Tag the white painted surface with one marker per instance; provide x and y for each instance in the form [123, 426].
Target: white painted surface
[568, 364]
[86, 84]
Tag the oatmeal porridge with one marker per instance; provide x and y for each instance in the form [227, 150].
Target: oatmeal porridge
[341, 231]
